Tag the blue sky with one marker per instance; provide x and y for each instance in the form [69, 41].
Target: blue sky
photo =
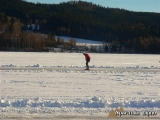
[133, 5]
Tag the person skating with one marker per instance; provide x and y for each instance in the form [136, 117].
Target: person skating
[87, 57]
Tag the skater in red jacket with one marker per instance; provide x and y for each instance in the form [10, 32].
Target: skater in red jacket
[87, 57]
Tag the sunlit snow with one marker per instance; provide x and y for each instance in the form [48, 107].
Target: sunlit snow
[56, 83]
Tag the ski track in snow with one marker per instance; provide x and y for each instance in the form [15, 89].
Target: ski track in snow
[40, 88]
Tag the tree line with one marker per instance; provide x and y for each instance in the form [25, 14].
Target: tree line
[13, 39]
[135, 31]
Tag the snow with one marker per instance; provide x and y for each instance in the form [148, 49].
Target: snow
[42, 84]
[81, 41]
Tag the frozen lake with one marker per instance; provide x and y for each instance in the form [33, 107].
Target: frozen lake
[55, 84]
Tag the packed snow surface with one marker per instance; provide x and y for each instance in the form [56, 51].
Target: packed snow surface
[56, 83]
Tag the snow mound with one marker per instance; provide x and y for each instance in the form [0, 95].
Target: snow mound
[91, 66]
[94, 102]
[142, 67]
[36, 65]
[8, 65]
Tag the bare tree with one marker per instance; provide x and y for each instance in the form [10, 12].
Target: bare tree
[72, 42]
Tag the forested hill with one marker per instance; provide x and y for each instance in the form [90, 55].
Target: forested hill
[85, 20]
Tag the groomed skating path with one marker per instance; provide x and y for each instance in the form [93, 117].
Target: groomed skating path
[115, 69]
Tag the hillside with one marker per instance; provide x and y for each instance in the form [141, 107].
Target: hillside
[86, 20]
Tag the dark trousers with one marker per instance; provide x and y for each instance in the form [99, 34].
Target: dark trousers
[87, 61]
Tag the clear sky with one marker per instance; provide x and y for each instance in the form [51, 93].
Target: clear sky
[133, 5]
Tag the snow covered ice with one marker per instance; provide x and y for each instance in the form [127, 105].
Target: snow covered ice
[55, 83]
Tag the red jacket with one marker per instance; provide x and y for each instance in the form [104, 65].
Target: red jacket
[87, 56]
